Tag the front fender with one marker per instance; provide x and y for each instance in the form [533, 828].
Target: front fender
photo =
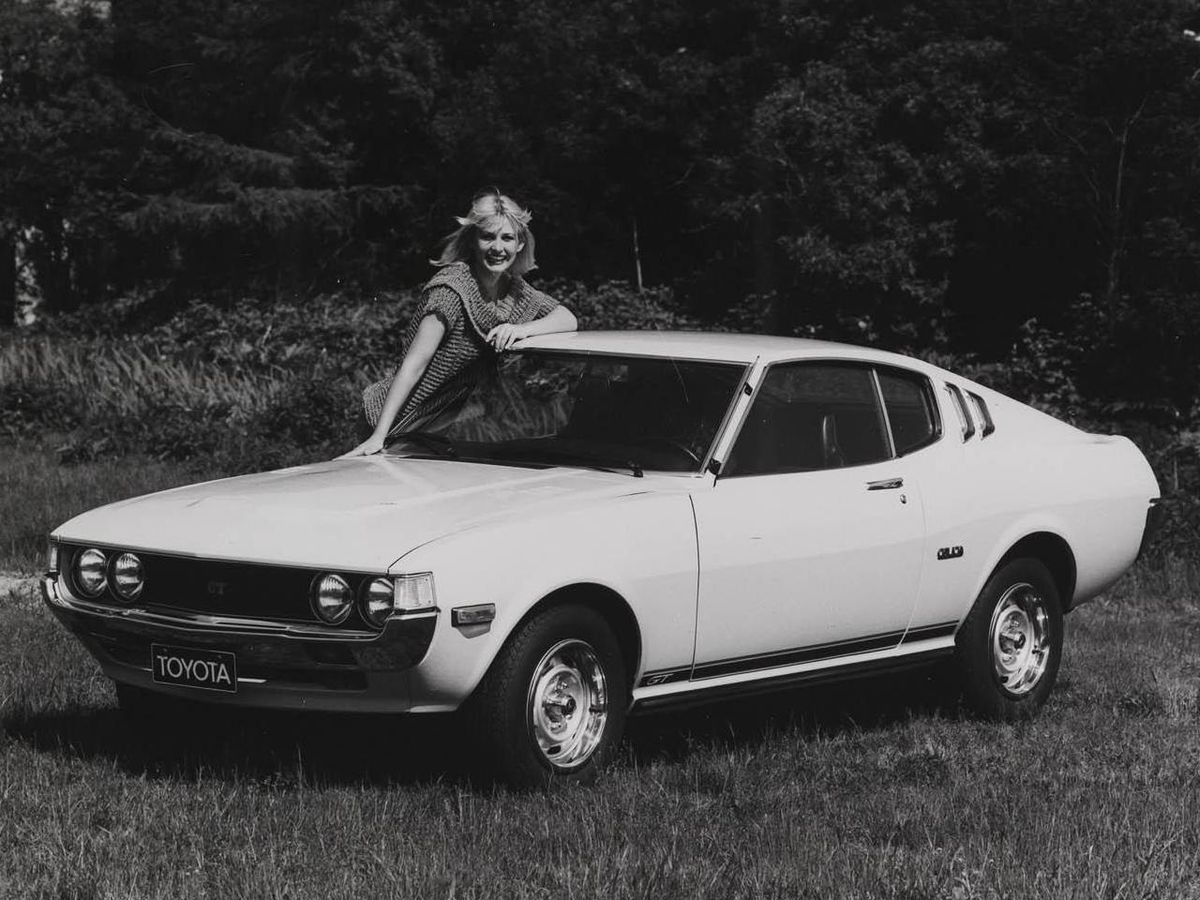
[641, 547]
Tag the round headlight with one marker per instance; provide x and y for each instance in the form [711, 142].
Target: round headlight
[332, 598]
[378, 600]
[128, 576]
[90, 568]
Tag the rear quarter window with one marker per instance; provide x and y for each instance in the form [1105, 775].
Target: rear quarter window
[911, 410]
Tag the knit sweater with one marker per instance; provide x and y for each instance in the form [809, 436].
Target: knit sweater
[463, 357]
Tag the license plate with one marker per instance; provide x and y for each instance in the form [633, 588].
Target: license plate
[214, 670]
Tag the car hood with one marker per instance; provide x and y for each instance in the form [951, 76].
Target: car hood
[359, 514]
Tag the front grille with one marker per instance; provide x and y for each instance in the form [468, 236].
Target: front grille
[277, 593]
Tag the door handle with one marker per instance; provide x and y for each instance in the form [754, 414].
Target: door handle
[886, 484]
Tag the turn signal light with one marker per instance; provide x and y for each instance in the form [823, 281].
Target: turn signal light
[415, 592]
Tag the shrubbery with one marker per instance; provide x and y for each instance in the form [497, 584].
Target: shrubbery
[253, 386]
[248, 386]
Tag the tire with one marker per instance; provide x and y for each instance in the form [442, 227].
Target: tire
[551, 708]
[1009, 647]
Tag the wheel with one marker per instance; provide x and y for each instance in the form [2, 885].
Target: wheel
[551, 708]
[1010, 645]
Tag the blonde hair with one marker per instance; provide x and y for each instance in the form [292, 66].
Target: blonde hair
[459, 245]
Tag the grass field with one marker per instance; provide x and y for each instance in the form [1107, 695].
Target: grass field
[872, 790]
[37, 494]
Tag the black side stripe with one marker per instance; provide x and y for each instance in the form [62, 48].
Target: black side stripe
[803, 654]
[812, 653]
[929, 632]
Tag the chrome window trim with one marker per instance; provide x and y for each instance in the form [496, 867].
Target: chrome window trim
[711, 452]
[761, 381]
[884, 419]
[930, 395]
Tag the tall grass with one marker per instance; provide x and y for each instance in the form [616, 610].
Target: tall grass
[871, 790]
[37, 493]
[117, 398]
[1162, 579]
[101, 379]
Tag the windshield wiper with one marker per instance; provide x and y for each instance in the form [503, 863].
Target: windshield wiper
[634, 467]
[439, 444]
[556, 456]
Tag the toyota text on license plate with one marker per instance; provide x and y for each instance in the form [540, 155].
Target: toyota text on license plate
[211, 669]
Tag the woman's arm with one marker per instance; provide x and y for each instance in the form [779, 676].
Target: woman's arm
[412, 367]
[558, 319]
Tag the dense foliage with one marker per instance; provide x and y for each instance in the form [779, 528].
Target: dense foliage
[938, 169]
[1013, 186]
[239, 388]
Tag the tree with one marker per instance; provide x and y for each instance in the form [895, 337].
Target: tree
[284, 140]
[69, 134]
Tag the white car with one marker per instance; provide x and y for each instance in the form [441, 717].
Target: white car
[618, 522]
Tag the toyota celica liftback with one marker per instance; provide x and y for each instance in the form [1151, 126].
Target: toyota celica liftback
[618, 522]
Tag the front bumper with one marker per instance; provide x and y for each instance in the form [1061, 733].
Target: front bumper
[279, 665]
[1156, 516]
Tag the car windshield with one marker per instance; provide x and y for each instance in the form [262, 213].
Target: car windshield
[625, 413]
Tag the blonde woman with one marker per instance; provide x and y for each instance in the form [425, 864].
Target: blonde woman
[477, 304]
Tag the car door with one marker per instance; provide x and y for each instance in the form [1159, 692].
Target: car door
[811, 539]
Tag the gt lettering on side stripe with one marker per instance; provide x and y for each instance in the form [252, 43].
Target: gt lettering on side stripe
[212, 669]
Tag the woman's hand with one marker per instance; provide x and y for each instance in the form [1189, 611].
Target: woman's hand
[370, 446]
[505, 335]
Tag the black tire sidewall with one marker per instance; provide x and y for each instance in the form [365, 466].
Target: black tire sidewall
[981, 689]
[500, 705]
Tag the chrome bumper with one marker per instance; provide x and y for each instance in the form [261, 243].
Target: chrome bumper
[280, 665]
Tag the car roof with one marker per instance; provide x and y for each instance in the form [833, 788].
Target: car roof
[703, 345]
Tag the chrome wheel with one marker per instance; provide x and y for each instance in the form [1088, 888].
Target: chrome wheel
[568, 703]
[1019, 637]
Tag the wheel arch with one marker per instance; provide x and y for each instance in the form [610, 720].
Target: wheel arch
[1054, 553]
[615, 610]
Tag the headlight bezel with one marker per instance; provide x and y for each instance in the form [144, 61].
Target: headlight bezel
[314, 595]
[77, 577]
[114, 583]
[378, 618]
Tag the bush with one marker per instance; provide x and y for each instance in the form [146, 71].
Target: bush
[255, 386]
[617, 305]
[245, 387]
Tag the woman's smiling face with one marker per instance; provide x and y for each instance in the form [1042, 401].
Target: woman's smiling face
[497, 245]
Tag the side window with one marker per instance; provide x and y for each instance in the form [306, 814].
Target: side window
[810, 416]
[908, 398]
